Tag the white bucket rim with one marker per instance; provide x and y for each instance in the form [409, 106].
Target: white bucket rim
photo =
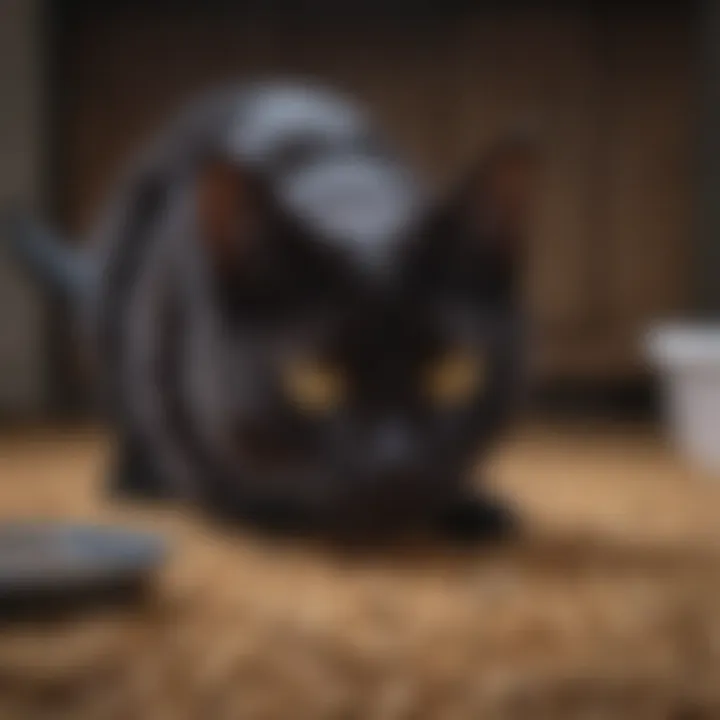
[677, 344]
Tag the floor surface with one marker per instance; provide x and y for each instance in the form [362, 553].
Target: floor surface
[610, 608]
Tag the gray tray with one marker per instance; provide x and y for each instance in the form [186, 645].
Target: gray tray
[42, 561]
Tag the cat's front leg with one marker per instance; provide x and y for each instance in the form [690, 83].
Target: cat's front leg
[477, 518]
[133, 475]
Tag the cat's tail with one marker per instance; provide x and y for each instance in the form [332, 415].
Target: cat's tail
[44, 255]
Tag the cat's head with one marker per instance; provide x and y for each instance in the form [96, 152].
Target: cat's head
[367, 384]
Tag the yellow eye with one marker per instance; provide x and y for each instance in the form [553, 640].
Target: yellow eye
[314, 386]
[455, 378]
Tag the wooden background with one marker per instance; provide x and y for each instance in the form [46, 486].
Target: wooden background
[607, 88]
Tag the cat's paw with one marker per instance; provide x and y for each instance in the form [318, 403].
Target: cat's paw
[267, 518]
[478, 520]
[133, 478]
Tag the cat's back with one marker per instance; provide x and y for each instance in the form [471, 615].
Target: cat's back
[255, 123]
[252, 123]
[319, 148]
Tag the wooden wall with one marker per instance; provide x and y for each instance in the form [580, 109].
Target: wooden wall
[608, 90]
[23, 387]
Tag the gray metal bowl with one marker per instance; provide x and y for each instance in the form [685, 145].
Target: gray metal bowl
[52, 560]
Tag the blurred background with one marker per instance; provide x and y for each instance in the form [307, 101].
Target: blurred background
[618, 94]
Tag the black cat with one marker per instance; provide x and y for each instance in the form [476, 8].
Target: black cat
[290, 331]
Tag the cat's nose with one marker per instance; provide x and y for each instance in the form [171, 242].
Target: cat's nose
[392, 458]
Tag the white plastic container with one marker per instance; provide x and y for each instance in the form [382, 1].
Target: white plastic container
[687, 358]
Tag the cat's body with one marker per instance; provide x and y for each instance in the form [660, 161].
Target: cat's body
[289, 331]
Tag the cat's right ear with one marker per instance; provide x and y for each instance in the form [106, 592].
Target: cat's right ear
[231, 212]
[493, 204]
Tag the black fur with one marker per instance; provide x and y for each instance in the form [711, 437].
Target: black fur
[227, 317]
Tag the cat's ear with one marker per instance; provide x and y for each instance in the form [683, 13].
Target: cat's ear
[231, 213]
[494, 202]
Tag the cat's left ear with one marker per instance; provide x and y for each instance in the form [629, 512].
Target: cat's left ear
[494, 203]
[231, 212]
